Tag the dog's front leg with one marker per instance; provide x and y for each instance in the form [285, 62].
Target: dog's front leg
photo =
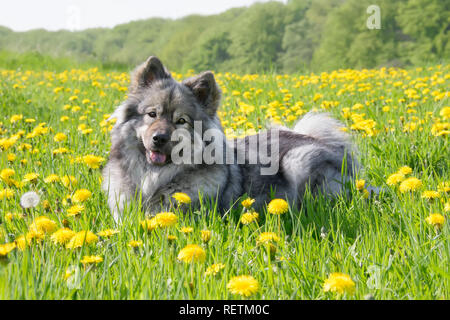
[162, 200]
[158, 203]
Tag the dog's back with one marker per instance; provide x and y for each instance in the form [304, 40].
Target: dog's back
[315, 153]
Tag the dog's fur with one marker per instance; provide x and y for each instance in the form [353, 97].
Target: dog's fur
[315, 152]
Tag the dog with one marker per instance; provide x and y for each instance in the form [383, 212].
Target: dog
[141, 166]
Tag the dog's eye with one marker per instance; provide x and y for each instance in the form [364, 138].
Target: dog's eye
[181, 121]
[152, 114]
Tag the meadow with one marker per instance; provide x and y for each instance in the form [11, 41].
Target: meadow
[61, 242]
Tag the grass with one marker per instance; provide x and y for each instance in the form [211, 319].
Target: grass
[37, 61]
[384, 243]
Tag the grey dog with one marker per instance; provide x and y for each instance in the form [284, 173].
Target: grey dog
[315, 153]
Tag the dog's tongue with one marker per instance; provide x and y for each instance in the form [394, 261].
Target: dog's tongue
[157, 157]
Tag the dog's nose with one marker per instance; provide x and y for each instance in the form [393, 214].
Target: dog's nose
[160, 139]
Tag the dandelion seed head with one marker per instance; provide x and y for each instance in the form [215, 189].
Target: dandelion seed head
[29, 200]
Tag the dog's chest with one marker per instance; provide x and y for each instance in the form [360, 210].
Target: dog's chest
[154, 180]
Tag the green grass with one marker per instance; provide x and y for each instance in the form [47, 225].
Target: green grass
[37, 61]
[384, 244]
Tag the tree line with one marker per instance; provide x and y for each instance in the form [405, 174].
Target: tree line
[293, 37]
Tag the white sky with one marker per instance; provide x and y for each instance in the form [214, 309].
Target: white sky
[23, 15]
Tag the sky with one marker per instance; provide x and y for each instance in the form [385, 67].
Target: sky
[24, 15]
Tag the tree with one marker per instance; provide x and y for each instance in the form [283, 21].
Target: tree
[257, 37]
[427, 23]
[211, 53]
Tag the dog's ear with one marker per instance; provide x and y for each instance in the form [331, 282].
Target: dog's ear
[206, 90]
[148, 72]
[123, 113]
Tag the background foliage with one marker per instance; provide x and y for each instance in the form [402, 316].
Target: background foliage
[300, 35]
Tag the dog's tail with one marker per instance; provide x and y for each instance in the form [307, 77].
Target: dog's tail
[324, 128]
[329, 131]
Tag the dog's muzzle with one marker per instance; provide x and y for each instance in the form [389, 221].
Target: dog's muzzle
[158, 148]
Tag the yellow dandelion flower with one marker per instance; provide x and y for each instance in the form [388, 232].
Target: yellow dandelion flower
[69, 273]
[366, 193]
[430, 194]
[81, 238]
[444, 187]
[181, 198]
[445, 112]
[75, 109]
[51, 178]
[21, 242]
[278, 206]
[75, 210]
[6, 193]
[30, 177]
[243, 285]
[68, 181]
[135, 243]
[93, 161]
[81, 195]
[60, 151]
[66, 200]
[91, 260]
[360, 184]
[59, 137]
[10, 216]
[11, 157]
[16, 117]
[447, 207]
[186, 230]
[410, 184]
[205, 235]
[62, 236]
[249, 217]
[395, 178]
[25, 146]
[267, 237]
[317, 96]
[6, 174]
[405, 170]
[166, 219]
[214, 269]
[192, 253]
[108, 233]
[171, 237]
[149, 224]
[34, 235]
[435, 219]
[6, 248]
[339, 283]
[247, 203]
[43, 225]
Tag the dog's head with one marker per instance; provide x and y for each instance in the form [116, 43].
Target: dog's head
[157, 106]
